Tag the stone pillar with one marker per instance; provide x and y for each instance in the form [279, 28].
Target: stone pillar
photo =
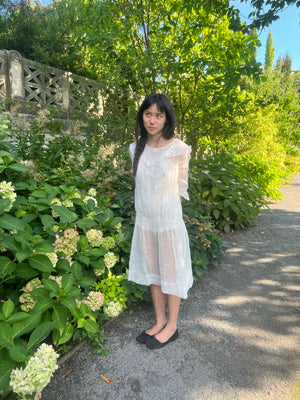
[16, 79]
[65, 87]
[4, 76]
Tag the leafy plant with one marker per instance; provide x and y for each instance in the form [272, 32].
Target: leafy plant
[222, 188]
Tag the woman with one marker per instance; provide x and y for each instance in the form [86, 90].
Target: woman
[160, 253]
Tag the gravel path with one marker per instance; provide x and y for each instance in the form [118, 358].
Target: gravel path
[239, 328]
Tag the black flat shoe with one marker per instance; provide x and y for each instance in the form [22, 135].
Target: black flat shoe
[153, 344]
[142, 337]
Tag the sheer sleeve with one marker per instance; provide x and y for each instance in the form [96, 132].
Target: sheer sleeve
[132, 150]
[183, 166]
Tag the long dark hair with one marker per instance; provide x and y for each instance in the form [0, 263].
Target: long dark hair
[163, 104]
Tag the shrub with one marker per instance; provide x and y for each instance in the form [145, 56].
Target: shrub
[223, 189]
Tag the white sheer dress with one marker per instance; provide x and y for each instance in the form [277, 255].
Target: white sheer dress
[160, 252]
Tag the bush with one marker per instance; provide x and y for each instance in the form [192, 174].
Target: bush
[222, 188]
[56, 243]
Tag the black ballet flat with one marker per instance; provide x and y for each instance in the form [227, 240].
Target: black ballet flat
[152, 343]
[143, 337]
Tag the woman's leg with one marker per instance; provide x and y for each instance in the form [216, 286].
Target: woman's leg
[173, 304]
[159, 301]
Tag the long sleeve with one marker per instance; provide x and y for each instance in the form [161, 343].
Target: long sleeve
[183, 171]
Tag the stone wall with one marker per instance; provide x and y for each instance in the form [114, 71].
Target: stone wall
[26, 86]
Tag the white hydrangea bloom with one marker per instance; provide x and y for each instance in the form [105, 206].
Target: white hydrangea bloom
[37, 373]
[112, 309]
[7, 191]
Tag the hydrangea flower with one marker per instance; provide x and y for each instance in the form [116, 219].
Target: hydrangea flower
[112, 309]
[37, 373]
[98, 272]
[92, 192]
[26, 299]
[7, 191]
[55, 202]
[67, 203]
[108, 243]
[52, 257]
[95, 300]
[95, 237]
[87, 198]
[110, 259]
[67, 244]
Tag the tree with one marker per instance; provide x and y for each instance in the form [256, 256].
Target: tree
[42, 33]
[194, 51]
[270, 51]
[262, 17]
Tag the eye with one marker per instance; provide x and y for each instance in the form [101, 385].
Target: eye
[158, 115]
[147, 113]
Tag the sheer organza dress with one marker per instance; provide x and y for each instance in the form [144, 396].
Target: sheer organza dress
[160, 252]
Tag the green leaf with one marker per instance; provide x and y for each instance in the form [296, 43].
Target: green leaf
[44, 248]
[64, 265]
[84, 259]
[24, 271]
[41, 263]
[96, 252]
[47, 220]
[22, 327]
[43, 305]
[66, 335]
[22, 255]
[4, 203]
[19, 316]
[17, 167]
[67, 282]
[89, 325]
[66, 216]
[6, 335]
[86, 281]
[86, 224]
[18, 353]
[69, 302]
[5, 369]
[8, 308]
[10, 243]
[7, 267]
[11, 223]
[39, 334]
[60, 317]
[216, 213]
[51, 285]
[77, 270]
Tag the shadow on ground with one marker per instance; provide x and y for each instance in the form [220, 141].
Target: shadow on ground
[239, 329]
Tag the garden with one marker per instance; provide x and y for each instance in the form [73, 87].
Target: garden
[66, 197]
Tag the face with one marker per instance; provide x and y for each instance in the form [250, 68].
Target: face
[154, 120]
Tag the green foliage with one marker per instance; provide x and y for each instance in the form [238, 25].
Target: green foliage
[205, 243]
[48, 261]
[223, 188]
[270, 51]
[112, 289]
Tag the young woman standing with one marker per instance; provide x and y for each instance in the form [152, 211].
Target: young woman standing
[160, 253]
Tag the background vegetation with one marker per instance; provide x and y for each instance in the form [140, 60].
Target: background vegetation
[66, 203]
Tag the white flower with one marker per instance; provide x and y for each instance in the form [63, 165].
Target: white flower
[37, 373]
[92, 192]
[7, 191]
[112, 309]
[95, 237]
[110, 259]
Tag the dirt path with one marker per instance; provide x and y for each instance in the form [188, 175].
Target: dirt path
[239, 328]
